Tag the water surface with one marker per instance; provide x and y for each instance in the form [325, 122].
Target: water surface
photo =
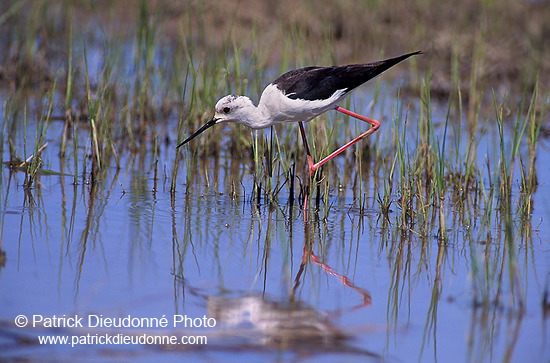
[346, 285]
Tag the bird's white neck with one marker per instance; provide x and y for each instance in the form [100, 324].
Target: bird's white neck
[255, 117]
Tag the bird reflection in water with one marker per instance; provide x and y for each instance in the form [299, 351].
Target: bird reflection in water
[291, 324]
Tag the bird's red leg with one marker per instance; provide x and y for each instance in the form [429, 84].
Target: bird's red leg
[306, 145]
[310, 166]
[374, 123]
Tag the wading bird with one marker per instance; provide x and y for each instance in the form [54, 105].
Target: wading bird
[299, 96]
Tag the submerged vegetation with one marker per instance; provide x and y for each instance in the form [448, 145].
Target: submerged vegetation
[93, 88]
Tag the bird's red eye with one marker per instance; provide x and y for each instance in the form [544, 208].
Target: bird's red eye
[226, 110]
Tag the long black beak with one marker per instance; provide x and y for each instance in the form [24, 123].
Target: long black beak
[207, 125]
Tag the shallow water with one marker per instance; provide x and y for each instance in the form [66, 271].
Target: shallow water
[343, 286]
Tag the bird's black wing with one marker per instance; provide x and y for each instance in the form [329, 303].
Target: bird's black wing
[316, 83]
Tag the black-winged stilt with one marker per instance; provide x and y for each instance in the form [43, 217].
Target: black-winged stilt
[299, 96]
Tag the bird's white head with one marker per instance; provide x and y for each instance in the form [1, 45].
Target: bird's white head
[234, 109]
[239, 109]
